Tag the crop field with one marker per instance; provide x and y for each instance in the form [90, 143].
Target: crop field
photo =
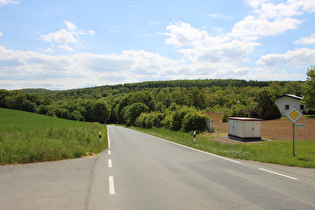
[281, 129]
[27, 137]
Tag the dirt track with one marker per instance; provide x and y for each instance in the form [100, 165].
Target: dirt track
[281, 129]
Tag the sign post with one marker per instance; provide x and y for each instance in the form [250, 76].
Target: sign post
[294, 115]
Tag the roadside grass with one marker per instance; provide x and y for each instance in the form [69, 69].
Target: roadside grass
[27, 137]
[276, 152]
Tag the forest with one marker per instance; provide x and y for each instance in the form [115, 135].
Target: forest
[176, 104]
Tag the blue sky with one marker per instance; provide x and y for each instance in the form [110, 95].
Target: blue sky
[73, 44]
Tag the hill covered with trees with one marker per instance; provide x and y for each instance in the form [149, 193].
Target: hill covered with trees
[178, 104]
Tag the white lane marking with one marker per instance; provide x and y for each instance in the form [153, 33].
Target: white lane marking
[207, 153]
[290, 177]
[110, 163]
[108, 139]
[111, 185]
[218, 156]
[109, 153]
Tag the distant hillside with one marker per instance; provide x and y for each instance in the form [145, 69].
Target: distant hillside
[149, 85]
[35, 90]
[211, 95]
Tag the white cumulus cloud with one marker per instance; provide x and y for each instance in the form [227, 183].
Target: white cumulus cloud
[256, 26]
[91, 32]
[70, 26]
[184, 34]
[64, 37]
[4, 2]
[306, 40]
[298, 56]
[66, 47]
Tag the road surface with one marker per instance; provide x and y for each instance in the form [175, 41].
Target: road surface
[140, 171]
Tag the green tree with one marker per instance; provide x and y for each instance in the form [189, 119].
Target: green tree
[194, 96]
[160, 107]
[133, 111]
[276, 88]
[28, 106]
[76, 115]
[266, 105]
[100, 111]
[309, 88]
[293, 87]
[15, 100]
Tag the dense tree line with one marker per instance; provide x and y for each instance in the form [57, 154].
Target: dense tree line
[178, 104]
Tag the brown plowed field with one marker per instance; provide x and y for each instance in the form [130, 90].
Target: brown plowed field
[281, 129]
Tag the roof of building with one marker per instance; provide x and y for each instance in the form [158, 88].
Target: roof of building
[245, 119]
[291, 96]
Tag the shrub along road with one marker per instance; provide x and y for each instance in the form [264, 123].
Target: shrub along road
[140, 171]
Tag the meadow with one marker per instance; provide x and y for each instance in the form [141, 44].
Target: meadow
[27, 137]
[271, 151]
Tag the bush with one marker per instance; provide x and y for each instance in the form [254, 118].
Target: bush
[273, 113]
[76, 115]
[188, 119]
[194, 121]
[225, 117]
[132, 112]
[42, 109]
[167, 121]
[28, 106]
[178, 117]
[149, 120]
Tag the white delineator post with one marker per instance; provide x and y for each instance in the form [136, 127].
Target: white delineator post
[100, 136]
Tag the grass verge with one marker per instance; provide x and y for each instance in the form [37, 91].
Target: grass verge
[276, 152]
[27, 137]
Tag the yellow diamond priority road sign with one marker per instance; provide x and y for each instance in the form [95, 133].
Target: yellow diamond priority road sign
[294, 115]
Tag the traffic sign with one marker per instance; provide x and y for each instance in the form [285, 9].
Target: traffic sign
[302, 125]
[294, 115]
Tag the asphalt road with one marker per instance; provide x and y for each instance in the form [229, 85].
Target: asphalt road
[139, 171]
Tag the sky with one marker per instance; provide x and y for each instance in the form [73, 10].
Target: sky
[71, 44]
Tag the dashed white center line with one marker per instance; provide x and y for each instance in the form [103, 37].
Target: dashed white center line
[111, 185]
[290, 177]
[110, 163]
[109, 152]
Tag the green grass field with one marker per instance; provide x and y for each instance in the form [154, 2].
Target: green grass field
[277, 152]
[27, 137]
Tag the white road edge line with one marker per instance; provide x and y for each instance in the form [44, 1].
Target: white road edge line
[111, 185]
[290, 177]
[108, 139]
[208, 153]
[110, 163]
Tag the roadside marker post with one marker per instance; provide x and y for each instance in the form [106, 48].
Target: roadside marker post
[294, 115]
[194, 137]
[100, 135]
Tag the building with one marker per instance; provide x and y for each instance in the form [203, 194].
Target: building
[287, 101]
[245, 128]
